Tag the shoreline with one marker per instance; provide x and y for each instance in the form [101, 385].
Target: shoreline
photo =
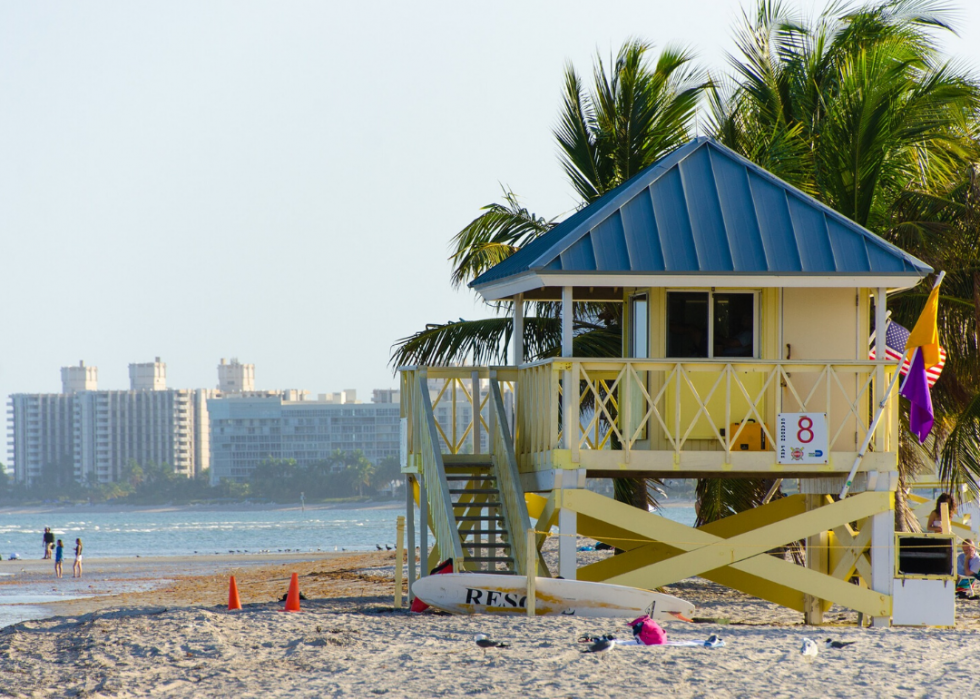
[104, 508]
[243, 506]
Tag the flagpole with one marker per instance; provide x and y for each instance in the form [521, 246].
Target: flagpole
[881, 408]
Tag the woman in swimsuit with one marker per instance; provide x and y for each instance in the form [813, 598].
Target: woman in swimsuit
[76, 570]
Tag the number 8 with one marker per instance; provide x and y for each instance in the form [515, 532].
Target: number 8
[807, 428]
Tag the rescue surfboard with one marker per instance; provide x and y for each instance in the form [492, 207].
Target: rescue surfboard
[487, 593]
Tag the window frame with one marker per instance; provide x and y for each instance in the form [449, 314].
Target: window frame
[711, 292]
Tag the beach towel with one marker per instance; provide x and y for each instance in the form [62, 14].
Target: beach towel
[712, 642]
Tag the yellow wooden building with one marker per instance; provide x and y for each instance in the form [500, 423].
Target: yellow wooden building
[748, 307]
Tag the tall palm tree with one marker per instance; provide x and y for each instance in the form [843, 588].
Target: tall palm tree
[634, 114]
[859, 108]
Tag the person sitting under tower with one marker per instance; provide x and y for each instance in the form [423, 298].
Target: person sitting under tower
[968, 570]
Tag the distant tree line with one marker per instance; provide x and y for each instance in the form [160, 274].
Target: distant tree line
[343, 475]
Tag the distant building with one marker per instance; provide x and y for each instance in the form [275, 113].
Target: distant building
[88, 434]
[235, 377]
[385, 395]
[93, 435]
[246, 431]
[42, 432]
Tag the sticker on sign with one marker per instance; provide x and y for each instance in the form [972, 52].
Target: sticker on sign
[801, 438]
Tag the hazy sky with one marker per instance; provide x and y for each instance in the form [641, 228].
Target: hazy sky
[278, 181]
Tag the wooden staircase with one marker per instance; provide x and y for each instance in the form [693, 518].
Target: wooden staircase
[479, 514]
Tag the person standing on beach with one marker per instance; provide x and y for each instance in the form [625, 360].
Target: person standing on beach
[59, 556]
[76, 570]
[48, 543]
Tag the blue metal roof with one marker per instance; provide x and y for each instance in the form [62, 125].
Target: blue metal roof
[704, 209]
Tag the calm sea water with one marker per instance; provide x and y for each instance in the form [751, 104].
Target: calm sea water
[183, 533]
[187, 532]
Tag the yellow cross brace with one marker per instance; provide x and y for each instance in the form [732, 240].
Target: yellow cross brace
[745, 552]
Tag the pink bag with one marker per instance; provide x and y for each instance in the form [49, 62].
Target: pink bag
[648, 632]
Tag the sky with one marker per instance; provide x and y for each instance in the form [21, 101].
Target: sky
[279, 181]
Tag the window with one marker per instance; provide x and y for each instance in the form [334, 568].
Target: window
[731, 332]
[639, 331]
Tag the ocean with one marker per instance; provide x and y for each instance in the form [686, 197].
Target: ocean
[187, 531]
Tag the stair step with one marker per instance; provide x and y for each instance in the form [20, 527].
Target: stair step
[479, 518]
[479, 532]
[468, 477]
[485, 546]
[468, 467]
[460, 505]
[474, 491]
[491, 559]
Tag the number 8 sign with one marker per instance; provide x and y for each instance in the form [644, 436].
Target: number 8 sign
[801, 438]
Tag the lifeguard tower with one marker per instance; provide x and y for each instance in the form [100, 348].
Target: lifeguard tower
[747, 309]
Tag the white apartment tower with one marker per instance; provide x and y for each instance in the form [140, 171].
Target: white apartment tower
[92, 435]
[236, 377]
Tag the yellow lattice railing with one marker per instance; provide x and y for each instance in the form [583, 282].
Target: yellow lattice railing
[630, 404]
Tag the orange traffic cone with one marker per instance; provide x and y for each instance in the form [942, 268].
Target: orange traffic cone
[292, 598]
[233, 601]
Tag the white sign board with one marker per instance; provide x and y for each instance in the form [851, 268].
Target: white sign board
[801, 438]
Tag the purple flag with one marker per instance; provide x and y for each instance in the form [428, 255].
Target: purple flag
[916, 389]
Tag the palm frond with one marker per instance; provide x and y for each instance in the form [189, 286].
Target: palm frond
[493, 236]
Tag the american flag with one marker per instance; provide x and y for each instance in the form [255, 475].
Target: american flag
[895, 338]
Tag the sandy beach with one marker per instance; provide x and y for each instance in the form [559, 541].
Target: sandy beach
[179, 640]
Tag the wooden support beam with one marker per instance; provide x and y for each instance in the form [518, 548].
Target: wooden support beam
[816, 559]
[743, 552]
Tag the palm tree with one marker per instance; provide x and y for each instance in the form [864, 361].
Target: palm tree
[859, 109]
[634, 114]
[944, 229]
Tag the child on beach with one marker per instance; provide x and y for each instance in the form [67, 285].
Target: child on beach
[76, 570]
[59, 555]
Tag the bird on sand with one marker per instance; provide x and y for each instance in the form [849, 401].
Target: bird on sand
[387, 547]
[484, 642]
[808, 649]
[602, 645]
[379, 547]
[837, 645]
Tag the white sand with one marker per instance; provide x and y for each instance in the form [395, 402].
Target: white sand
[355, 648]
[348, 642]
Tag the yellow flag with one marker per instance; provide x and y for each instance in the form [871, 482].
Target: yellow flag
[925, 334]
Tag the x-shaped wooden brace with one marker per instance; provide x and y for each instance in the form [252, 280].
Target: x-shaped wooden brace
[679, 552]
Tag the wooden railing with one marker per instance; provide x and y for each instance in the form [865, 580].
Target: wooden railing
[701, 405]
[432, 472]
[508, 479]
[455, 388]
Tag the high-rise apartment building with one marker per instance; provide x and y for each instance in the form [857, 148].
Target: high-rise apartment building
[93, 435]
[42, 434]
